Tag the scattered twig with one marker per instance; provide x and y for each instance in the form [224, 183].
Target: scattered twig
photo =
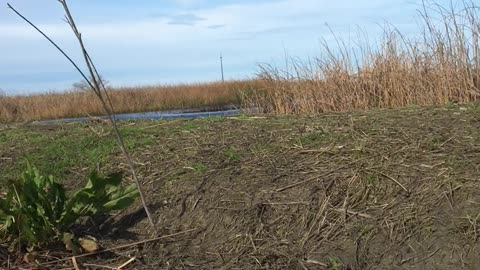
[119, 247]
[342, 210]
[99, 134]
[428, 256]
[286, 203]
[393, 179]
[316, 177]
[126, 263]
[302, 264]
[76, 265]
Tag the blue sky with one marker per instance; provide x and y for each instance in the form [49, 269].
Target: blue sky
[138, 42]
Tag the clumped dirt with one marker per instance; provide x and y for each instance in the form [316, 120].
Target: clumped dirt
[376, 190]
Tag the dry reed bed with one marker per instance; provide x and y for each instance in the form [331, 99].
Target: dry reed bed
[125, 100]
[438, 67]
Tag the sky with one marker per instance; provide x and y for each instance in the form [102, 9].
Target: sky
[140, 42]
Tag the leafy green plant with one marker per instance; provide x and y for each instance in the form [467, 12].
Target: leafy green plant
[36, 209]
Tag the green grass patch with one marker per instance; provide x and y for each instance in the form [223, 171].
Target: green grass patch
[61, 151]
[315, 138]
[232, 155]
[200, 168]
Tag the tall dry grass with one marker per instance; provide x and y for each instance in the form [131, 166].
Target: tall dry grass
[214, 95]
[440, 66]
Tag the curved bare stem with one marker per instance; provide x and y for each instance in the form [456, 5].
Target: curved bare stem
[100, 91]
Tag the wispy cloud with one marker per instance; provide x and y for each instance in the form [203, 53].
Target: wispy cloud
[185, 19]
[216, 26]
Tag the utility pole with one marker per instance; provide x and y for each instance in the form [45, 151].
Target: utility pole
[221, 67]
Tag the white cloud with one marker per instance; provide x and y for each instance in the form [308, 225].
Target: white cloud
[245, 32]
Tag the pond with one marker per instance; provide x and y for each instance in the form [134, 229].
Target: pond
[172, 115]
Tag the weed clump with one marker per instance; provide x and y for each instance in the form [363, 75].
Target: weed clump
[36, 210]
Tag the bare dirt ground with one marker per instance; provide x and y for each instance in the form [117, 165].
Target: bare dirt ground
[395, 189]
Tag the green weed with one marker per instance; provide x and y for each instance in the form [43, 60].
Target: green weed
[333, 264]
[37, 211]
[232, 155]
[314, 138]
[200, 168]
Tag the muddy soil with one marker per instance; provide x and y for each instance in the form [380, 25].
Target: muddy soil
[396, 189]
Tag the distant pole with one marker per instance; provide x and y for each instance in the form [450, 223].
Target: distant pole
[221, 67]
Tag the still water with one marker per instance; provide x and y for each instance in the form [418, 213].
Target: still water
[149, 116]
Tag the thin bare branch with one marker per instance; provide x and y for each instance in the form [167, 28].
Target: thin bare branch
[99, 89]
